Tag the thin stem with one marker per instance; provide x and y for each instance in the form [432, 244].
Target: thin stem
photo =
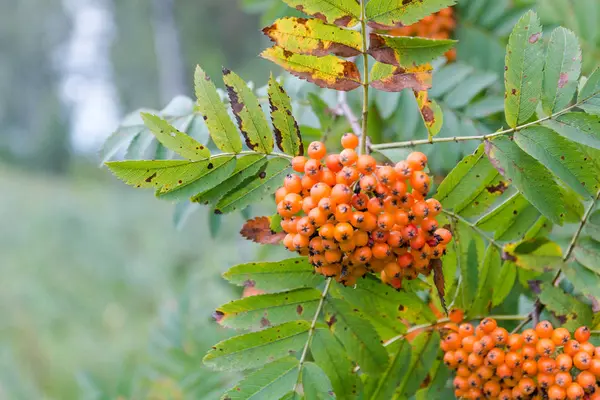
[365, 81]
[348, 113]
[412, 143]
[311, 332]
[247, 152]
[474, 227]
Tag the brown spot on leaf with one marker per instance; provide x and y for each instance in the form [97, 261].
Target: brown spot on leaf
[417, 79]
[563, 80]
[299, 309]
[343, 21]
[534, 38]
[259, 230]
[262, 175]
[428, 115]
[264, 322]
[379, 50]
[332, 320]
[218, 315]
[513, 92]
[249, 283]
[508, 257]
[499, 188]
[149, 179]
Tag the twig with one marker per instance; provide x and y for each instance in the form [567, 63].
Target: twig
[412, 143]
[477, 229]
[347, 112]
[365, 82]
[311, 332]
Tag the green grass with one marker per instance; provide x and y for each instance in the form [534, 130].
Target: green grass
[86, 266]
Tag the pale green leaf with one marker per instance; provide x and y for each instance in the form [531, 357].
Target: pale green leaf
[523, 72]
[589, 96]
[587, 252]
[562, 70]
[338, 12]
[407, 51]
[221, 127]
[449, 77]
[270, 382]
[583, 279]
[314, 37]
[502, 217]
[382, 387]
[430, 111]
[560, 156]
[255, 189]
[504, 283]
[539, 255]
[531, 178]
[326, 72]
[573, 312]
[330, 355]
[387, 14]
[250, 117]
[358, 336]
[274, 276]
[245, 168]
[287, 132]
[592, 228]
[466, 91]
[578, 127]
[315, 383]
[258, 348]
[261, 311]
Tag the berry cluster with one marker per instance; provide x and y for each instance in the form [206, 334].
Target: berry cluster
[540, 363]
[440, 25]
[351, 216]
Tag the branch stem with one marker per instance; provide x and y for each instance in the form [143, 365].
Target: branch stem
[479, 231]
[365, 80]
[311, 333]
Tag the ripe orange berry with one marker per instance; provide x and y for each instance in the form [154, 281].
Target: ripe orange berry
[466, 330]
[361, 238]
[403, 169]
[313, 168]
[582, 334]
[341, 194]
[343, 232]
[298, 163]
[349, 141]
[435, 207]
[488, 325]
[513, 360]
[528, 352]
[545, 347]
[316, 150]
[587, 381]
[328, 177]
[381, 250]
[546, 365]
[544, 329]
[467, 343]
[420, 181]
[405, 260]
[582, 360]
[317, 217]
[348, 157]
[563, 379]
[499, 336]
[546, 381]
[595, 367]
[366, 164]
[575, 391]
[572, 347]
[363, 254]
[555, 392]
[588, 348]
[348, 175]
[504, 371]
[327, 231]
[359, 201]
[515, 341]
[492, 389]
[456, 315]
[530, 367]
[495, 356]
[564, 362]
[333, 163]
[530, 336]
[560, 336]
[416, 161]
[292, 183]
[343, 212]
[300, 242]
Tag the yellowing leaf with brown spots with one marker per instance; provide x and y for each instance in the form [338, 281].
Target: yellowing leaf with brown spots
[432, 114]
[314, 37]
[339, 12]
[407, 51]
[285, 126]
[250, 117]
[259, 230]
[326, 72]
[536, 254]
[387, 14]
[389, 78]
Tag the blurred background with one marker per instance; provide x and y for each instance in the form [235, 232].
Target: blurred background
[102, 297]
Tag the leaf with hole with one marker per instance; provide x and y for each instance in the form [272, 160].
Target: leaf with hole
[326, 72]
[314, 37]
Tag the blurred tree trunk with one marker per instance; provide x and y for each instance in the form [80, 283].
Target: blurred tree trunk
[171, 70]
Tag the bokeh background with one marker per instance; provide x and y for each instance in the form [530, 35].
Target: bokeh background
[101, 296]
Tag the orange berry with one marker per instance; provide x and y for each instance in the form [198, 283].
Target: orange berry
[349, 141]
[582, 360]
[488, 325]
[420, 181]
[563, 379]
[298, 163]
[466, 330]
[366, 164]
[343, 232]
[348, 175]
[361, 238]
[399, 188]
[308, 204]
[326, 205]
[560, 336]
[348, 157]
[444, 236]
[308, 182]
[572, 347]
[499, 336]
[530, 367]
[545, 347]
[587, 381]
[449, 360]
[359, 201]
[300, 242]
[313, 168]
[546, 381]
[495, 356]
[582, 334]
[381, 250]
[564, 362]
[348, 246]
[386, 175]
[341, 194]
[544, 329]
[327, 231]
[595, 367]
[492, 389]
[484, 372]
[546, 365]
[328, 177]
[333, 163]
[504, 371]
[292, 183]
[588, 348]
[385, 221]
[316, 150]
[333, 256]
[530, 336]
[343, 212]
[405, 260]
[280, 194]
[555, 392]
[363, 254]
[368, 183]
[403, 169]
[416, 161]
[527, 385]
[456, 315]
[575, 391]
[513, 360]
[529, 353]
[435, 207]
[317, 217]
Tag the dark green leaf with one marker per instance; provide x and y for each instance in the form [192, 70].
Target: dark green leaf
[466, 91]
[571, 312]
[501, 218]
[488, 275]
[287, 274]
[258, 348]
[523, 72]
[315, 383]
[382, 387]
[424, 351]
[578, 127]
[270, 382]
[504, 283]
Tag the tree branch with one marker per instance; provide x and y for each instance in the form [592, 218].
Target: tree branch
[365, 82]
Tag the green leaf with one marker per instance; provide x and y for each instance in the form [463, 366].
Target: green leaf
[593, 226]
[389, 78]
[270, 382]
[315, 384]
[481, 204]
[504, 283]
[326, 72]
[449, 77]
[250, 117]
[361, 341]
[287, 132]
[466, 91]
[163, 175]
[339, 12]
[387, 14]
[219, 169]
[261, 311]
[258, 348]
[424, 351]
[287, 274]
[488, 275]
[587, 252]
[438, 388]
[471, 177]
[256, 189]
[523, 72]
[502, 217]
[583, 279]
[567, 308]
[468, 262]
[314, 37]
[531, 178]
[245, 168]
[589, 95]
[382, 387]
[578, 127]
[560, 156]
[539, 255]
[562, 70]
[406, 51]
[330, 355]
[221, 128]
[430, 111]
